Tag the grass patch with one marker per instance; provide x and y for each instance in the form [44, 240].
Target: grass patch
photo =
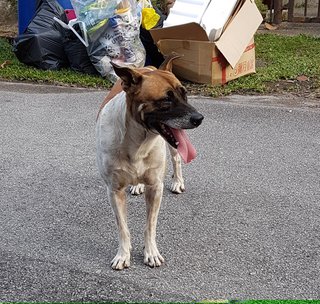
[281, 302]
[14, 70]
[279, 59]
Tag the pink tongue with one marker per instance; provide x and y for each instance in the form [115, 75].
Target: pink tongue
[185, 148]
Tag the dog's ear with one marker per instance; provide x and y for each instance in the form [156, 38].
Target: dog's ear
[129, 76]
[167, 63]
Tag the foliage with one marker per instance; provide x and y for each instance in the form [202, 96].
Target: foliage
[262, 7]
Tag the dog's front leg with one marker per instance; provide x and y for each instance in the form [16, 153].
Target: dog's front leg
[177, 185]
[152, 256]
[119, 206]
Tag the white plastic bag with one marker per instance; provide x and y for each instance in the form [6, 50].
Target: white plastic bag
[91, 12]
[112, 29]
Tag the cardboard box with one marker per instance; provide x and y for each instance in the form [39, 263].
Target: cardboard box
[212, 15]
[230, 57]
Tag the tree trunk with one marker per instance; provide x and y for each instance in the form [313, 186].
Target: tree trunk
[277, 11]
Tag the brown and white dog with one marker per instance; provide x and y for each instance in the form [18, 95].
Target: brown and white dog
[145, 109]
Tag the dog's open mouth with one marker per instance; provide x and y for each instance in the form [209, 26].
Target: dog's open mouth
[178, 139]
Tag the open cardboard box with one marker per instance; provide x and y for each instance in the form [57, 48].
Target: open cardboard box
[202, 61]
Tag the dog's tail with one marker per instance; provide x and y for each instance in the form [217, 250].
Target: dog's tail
[166, 65]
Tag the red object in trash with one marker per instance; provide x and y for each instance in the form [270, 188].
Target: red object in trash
[70, 14]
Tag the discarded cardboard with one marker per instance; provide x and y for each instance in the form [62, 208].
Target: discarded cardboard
[202, 61]
[210, 14]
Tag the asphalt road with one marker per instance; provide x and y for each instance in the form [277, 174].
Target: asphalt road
[248, 225]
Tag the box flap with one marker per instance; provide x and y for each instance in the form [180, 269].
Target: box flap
[188, 31]
[239, 32]
[234, 13]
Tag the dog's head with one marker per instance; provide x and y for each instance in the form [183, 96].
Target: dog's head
[157, 100]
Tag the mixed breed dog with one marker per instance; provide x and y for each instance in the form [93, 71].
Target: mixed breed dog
[146, 108]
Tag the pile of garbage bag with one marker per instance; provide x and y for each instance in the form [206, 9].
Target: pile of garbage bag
[45, 45]
[112, 28]
[103, 31]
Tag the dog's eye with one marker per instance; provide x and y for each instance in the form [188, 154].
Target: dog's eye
[169, 98]
[170, 95]
[166, 103]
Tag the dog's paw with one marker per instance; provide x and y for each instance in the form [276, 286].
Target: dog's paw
[137, 189]
[120, 261]
[153, 258]
[177, 186]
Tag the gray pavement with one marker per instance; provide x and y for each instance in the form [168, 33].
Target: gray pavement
[247, 226]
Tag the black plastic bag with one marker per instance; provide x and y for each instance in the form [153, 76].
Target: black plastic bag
[41, 45]
[77, 53]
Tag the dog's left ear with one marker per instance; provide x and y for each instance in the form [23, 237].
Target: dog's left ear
[129, 76]
[167, 63]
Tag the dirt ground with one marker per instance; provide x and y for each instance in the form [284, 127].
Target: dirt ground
[8, 18]
[8, 29]
[292, 29]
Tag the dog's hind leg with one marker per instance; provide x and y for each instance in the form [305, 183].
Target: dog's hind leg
[177, 185]
[119, 206]
[152, 256]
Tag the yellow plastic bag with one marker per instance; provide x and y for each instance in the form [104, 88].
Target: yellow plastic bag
[150, 18]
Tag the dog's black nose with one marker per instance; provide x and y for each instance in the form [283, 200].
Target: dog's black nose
[196, 119]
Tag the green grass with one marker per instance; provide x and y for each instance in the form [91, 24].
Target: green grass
[281, 302]
[279, 58]
[17, 71]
